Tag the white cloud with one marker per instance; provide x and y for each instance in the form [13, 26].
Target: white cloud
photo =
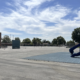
[78, 16]
[32, 3]
[24, 20]
[53, 14]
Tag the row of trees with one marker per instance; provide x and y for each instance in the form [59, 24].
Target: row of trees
[56, 41]
[35, 41]
[59, 41]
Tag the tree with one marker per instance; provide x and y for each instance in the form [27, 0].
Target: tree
[54, 41]
[76, 35]
[70, 43]
[26, 41]
[36, 41]
[60, 40]
[6, 39]
[46, 41]
[17, 38]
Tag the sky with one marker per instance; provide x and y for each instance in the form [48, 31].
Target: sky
[45, 19]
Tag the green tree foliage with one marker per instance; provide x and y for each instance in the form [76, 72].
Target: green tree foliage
[26, 41]
[60, 40]
[46, 41]
[36, 41]
[76, 35]
[70, 43]
[54, 41]
[17, 38]
[6, 39]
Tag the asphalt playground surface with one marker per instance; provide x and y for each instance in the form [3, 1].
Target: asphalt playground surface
[38, 63]
[56, 57]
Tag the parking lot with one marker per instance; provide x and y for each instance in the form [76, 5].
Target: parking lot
[13, 66]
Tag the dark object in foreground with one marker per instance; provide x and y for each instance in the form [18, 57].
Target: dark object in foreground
[71, 50]
[75, 54]
[15, 44]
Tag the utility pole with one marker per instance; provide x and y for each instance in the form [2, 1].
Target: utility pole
[13, 37]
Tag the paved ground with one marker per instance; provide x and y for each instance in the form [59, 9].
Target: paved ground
[14, 67]
[56, 57]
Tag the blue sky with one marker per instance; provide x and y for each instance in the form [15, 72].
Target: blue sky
[45, 19]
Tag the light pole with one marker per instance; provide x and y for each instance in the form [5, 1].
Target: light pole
[10, 36]
[13, 37]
